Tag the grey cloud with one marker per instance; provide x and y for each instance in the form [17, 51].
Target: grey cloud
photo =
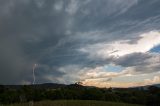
[33, 31]
[133, 59]
[25, 33]
[42, 71]
[108, 79]
[140, 62]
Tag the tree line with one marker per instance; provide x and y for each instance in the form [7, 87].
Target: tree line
[26, 93]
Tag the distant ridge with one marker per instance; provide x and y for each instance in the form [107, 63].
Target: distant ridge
[146, 87]
[56, 85]
[37, 86]
[44, 86]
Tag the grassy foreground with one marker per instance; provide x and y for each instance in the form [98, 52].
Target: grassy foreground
[72, 103]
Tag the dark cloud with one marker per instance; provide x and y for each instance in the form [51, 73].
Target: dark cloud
[140, 62]
[134, 59]
[35, 31]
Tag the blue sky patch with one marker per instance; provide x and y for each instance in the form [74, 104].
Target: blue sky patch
[113, 68]
[156, 49]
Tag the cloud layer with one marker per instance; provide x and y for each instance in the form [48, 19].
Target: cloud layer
[74, 40]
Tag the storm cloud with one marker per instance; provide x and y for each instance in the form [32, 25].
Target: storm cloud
[67, 38]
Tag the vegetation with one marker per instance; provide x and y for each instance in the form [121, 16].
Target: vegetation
[73, 103]
[24, 94]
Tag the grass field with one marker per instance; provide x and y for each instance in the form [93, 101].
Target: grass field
[72, 103]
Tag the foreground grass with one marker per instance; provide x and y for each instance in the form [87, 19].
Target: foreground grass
[72, 103]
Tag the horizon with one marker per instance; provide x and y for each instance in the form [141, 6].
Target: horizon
[102, 43]
[103, 87]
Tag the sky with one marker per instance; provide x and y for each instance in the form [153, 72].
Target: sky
[103, 43]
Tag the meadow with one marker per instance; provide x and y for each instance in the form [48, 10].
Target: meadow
[72, 103]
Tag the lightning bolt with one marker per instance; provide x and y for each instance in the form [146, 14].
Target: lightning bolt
[33, 70]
